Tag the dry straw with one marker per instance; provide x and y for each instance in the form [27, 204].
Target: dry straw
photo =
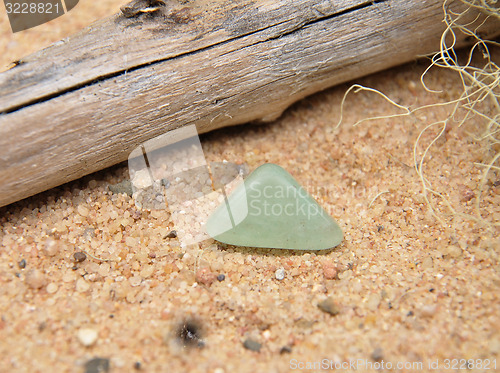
[478, 103]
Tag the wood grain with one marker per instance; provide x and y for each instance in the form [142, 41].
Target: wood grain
[86, 102]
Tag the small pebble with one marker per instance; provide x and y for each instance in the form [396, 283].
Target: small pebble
[136, 214]
[137, 365]
[330, 271]
[285, 350]
[377, 354]
[428, 310]
[82, 285]
[205, 277]
[124, 187]
[252, 345]
[83, 211]
[50, 248]
[35, 279]
[467, 195]
[373, 301]
[97, 365]
[452, 252]
[426, 263]
[266, 334]
[135, 280]
[329, 306]
[171, 234]
[88, 234]
[104, 269]
[87, 337]
[147, 271]
[79, 256]
[52, 288]
[22, 263]
[305, 324]
[189, 334]
[280, 274]
[221, 277]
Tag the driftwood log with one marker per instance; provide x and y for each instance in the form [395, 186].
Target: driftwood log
[86, 102]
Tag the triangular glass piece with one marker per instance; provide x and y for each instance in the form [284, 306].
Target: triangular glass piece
[270, 209]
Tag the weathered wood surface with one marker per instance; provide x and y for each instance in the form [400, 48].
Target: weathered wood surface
[86, 102]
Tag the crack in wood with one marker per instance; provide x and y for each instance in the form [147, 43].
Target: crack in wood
[137, 7]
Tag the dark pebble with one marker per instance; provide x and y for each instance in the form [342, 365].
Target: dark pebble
[97, 365]
[42, 326]
[189, 334]
[329, 306]
[410, 313]
[252, 345]
[172, 234]
[79, 256]
[285, 350]
[124, 187]
[377, 354]
[221, 277]
[137, 365]
[22, 263]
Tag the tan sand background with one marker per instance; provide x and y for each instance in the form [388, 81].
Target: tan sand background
[405, 288]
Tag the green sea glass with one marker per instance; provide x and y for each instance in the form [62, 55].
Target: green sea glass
[270, 209]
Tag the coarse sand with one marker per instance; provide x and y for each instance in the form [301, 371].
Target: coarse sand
[85, 274]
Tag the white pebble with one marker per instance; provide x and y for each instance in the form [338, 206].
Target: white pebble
[87, 337]
[135, 280]
[452, 251]
[266, 334]
[104, 269]
[373, 301]
[427, 263]
[82, 285]
[35, 279]
[52, 288]
[428, 310]
[147, 271]
[280, 274]
[82, 210]
[50, 248]
[142, 179]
